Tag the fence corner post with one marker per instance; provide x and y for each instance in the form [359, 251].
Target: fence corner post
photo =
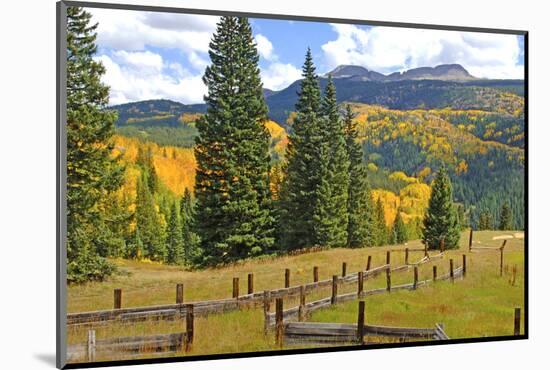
[189, 326]
[415, 280]
[117, 299]
[361, 322]
[517, 321]
[90, 346]
[267, 304]
[334, 294]
[302, 306]
[463, 265]
[179, 293]
[279, 326]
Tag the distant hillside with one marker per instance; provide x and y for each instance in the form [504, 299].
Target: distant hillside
[494, 96]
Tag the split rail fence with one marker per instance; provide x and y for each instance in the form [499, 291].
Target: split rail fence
[179, 309]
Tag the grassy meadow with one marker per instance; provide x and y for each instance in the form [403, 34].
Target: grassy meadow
[480, 305]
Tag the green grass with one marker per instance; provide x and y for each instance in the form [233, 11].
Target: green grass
[480, 305]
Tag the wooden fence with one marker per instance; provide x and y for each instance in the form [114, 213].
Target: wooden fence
[179, 309]
[293, 333]
[299, 312]
[482, 248]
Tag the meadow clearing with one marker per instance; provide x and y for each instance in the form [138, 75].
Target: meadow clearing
[481, 305]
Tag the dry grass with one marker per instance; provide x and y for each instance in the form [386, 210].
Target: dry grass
[481, 305]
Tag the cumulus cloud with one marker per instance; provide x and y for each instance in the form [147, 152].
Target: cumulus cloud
[265, 47]
[130, 30]
[277, 75]
[135, 76]
[390, 49]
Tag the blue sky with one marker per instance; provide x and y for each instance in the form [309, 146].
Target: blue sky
[161, 55]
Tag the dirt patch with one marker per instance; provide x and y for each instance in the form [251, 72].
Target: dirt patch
[519, 235]
[501, 237]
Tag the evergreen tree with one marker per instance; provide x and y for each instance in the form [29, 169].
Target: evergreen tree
[381, 231]
[505, 217]
[360, 205]
[233, 216]
[399, 230]
[485, 221]
[440, 220]
[331, 213]
[91, 170]
[174, 240]
[303, 172]
[148, 222]
[190, 239]
[135, 245]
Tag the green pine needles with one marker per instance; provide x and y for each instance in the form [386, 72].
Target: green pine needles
[234, 214]
[441, 220]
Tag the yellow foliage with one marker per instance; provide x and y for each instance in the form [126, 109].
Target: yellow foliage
[402, 176]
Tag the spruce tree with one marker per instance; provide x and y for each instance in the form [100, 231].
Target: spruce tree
[92, 172]
[189, 238]
[360, 204]
[174, 240]
[441, 220]
[381, 232]
[135, 245]
[148, 222]
[399, 230]
[233, 216]
[505, 217]
[303, 172]
[331, 213]
[485, 221]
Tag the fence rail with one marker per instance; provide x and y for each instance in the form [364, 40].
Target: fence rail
[178, 310]
[126, 347]
[336, 333]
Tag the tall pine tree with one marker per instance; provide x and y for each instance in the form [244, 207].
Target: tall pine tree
[360, 205]
[148, 222]
[505, 218]
[441, 220]
[331, 213]
[174, 240]
[190, 239]
[399, 230]
[91, 170]
[234, 217]
[303, 170]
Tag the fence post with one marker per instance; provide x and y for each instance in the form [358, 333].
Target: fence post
[236, 287]
[315, 274]
[425, 249]
[189, 326]
[118, 298]
[267, 303]
[451, 272]
[361, 322]
[179, 293]
[334, 289]
[442, 245]
[344, 268]
[388, 279]
[406, 256]
[514, 271]
[369, 260]
[387, 257]
[279, 322]
[434, 273]
[463, 265]
[502, 256]
[250, 283]
[91, 346]
[287, 278]
[517, 320]
[359, 283]
[302, 307]
[471, 240]
[415, 281]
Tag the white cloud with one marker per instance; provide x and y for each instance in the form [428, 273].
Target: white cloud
[135, 76]
[265, 47]
[131, 30]
[389, 49]
[277, 76]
